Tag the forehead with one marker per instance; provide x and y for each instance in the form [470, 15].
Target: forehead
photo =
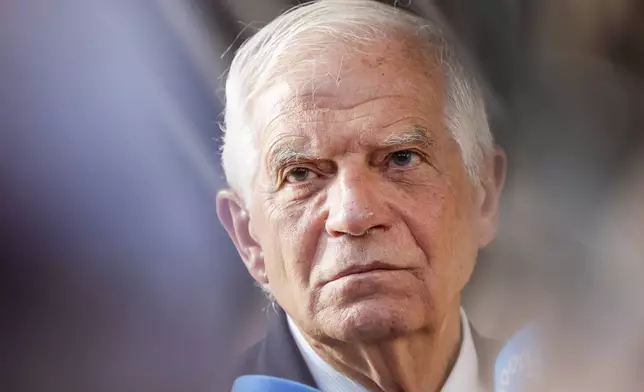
[345, 93]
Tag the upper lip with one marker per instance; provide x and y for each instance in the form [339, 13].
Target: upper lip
[359, 269]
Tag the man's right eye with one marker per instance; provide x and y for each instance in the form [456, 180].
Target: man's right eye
[299, 174]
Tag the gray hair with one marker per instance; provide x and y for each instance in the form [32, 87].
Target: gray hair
[264, 58]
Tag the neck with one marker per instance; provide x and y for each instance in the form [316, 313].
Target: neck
[419, 361]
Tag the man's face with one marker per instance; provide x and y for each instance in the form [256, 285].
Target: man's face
[365, 220]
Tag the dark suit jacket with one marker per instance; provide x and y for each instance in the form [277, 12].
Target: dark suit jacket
[277, 355]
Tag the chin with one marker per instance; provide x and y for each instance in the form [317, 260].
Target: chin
[378, 319]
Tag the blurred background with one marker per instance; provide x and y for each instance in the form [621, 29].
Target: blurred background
[115, 274]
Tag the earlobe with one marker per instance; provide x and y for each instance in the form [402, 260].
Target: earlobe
[256, 266]
[236, 220]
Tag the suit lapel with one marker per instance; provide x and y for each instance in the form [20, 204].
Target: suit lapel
[277, 354]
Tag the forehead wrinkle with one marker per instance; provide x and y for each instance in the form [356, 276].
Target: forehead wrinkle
[415, 120]
[328, 100]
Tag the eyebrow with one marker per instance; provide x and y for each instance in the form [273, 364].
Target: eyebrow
[285, 155]
[416, 135]
[282, 153]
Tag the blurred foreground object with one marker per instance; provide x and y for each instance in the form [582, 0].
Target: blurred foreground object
[113, 265]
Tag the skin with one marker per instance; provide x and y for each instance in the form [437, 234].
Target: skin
[364, 223]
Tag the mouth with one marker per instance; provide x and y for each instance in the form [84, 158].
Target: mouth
[364, 269]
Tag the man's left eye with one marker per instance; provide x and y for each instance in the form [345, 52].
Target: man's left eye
[404, 158]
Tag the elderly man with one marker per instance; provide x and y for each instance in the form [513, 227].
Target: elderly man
[364, 180]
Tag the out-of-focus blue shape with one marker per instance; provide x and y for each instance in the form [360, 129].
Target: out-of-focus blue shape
[518, 363]
[261, 383]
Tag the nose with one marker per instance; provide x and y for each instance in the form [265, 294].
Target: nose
[357, 204]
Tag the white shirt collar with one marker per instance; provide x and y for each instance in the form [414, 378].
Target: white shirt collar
[463, 377]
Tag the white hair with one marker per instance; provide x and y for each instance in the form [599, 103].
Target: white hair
[268, 56]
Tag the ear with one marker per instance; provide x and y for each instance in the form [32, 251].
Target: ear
[236, 220]
[489, 194]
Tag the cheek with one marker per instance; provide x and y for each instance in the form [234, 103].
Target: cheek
[442, 223]
[459, 241]
[427, 210]
[293, 236]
